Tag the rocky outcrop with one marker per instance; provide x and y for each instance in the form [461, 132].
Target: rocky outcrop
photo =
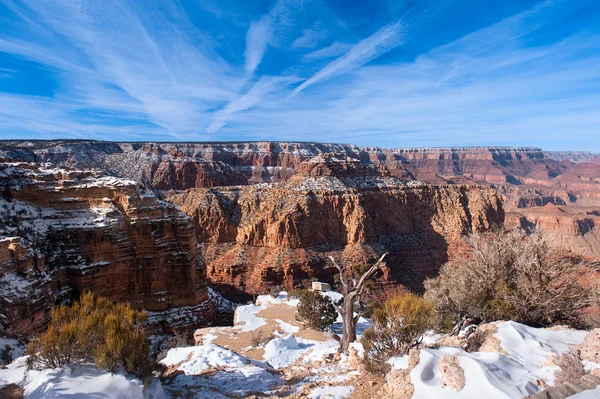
[451, 372]
[255, 236]
[27, 292]
[82, 230]
[575, 229]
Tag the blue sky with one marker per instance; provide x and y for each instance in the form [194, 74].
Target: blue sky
[393, 73]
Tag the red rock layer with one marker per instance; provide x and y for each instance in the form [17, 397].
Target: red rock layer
[106, 235]
[257, 236]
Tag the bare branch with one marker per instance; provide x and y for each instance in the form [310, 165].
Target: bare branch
[365, 277]
[342, 277]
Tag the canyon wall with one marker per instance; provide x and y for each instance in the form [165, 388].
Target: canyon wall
[64, 231]
[257, 236]
[270, 212]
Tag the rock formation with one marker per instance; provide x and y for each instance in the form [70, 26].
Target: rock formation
[282, 233]
[270, 212]
[64, 231]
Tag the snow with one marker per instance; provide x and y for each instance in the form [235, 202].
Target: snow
[287, 327]
[196, 359]
[589, 394]
[245, 316]
[223, 305]
[493, 374]
[246, 319]
[398, 362]
[77, 382]
[533, 346]
[335, 297]
[281, 352]
[17, 349]
[235, 376]
[338, 392]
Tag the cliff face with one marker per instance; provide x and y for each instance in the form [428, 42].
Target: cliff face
[271, 212]
[180, 166]
[76, 230]
[256, 236]
[574, 228]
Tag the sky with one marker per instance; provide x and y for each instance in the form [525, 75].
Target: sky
[388, 73]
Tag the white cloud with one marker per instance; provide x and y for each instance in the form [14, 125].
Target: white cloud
[385, 39]
[266, 85]
[310, 38]
[262, 33]
[378, 43]
[333, 50]
[258, 38]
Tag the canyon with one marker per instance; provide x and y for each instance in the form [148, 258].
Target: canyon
[156, 224]
[65, 231]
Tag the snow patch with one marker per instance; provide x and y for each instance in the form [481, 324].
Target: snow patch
[338, 392]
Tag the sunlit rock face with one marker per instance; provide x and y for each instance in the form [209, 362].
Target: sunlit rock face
[282, 234]
[268, 213]
[65, 231]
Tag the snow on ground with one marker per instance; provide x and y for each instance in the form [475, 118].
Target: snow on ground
[210, 370]
[77, 382]
[491, 374]
[195, 359]
[282, 352]
[589, 394]
[245, 317]
[17, 349]
[294, 360]
[339, 392]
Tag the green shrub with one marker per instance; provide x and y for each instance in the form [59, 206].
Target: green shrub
[93, 329]
[315, 310]
[397, 326]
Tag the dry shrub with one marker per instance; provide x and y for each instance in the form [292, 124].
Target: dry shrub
[571, 368]
[475, 341]
[259, 337]
[315, 310]
[93, 329]
[508, 275]
[397, 326]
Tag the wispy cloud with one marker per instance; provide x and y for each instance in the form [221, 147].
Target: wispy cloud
[310, 37]
[6, 72]
[380, 42]
[261, 33]
[385, 39]
[486, 88]
[125, 70]
[333, 50]
[266, 85]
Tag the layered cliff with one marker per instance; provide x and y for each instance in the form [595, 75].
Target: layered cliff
[576, 229]
[180, 166]
[271, 212]
[281, 234]
[65, 231]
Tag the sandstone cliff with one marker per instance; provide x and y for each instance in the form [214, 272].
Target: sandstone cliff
[574, 228]
[261, 235]
[75, 230]
[526, 178]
